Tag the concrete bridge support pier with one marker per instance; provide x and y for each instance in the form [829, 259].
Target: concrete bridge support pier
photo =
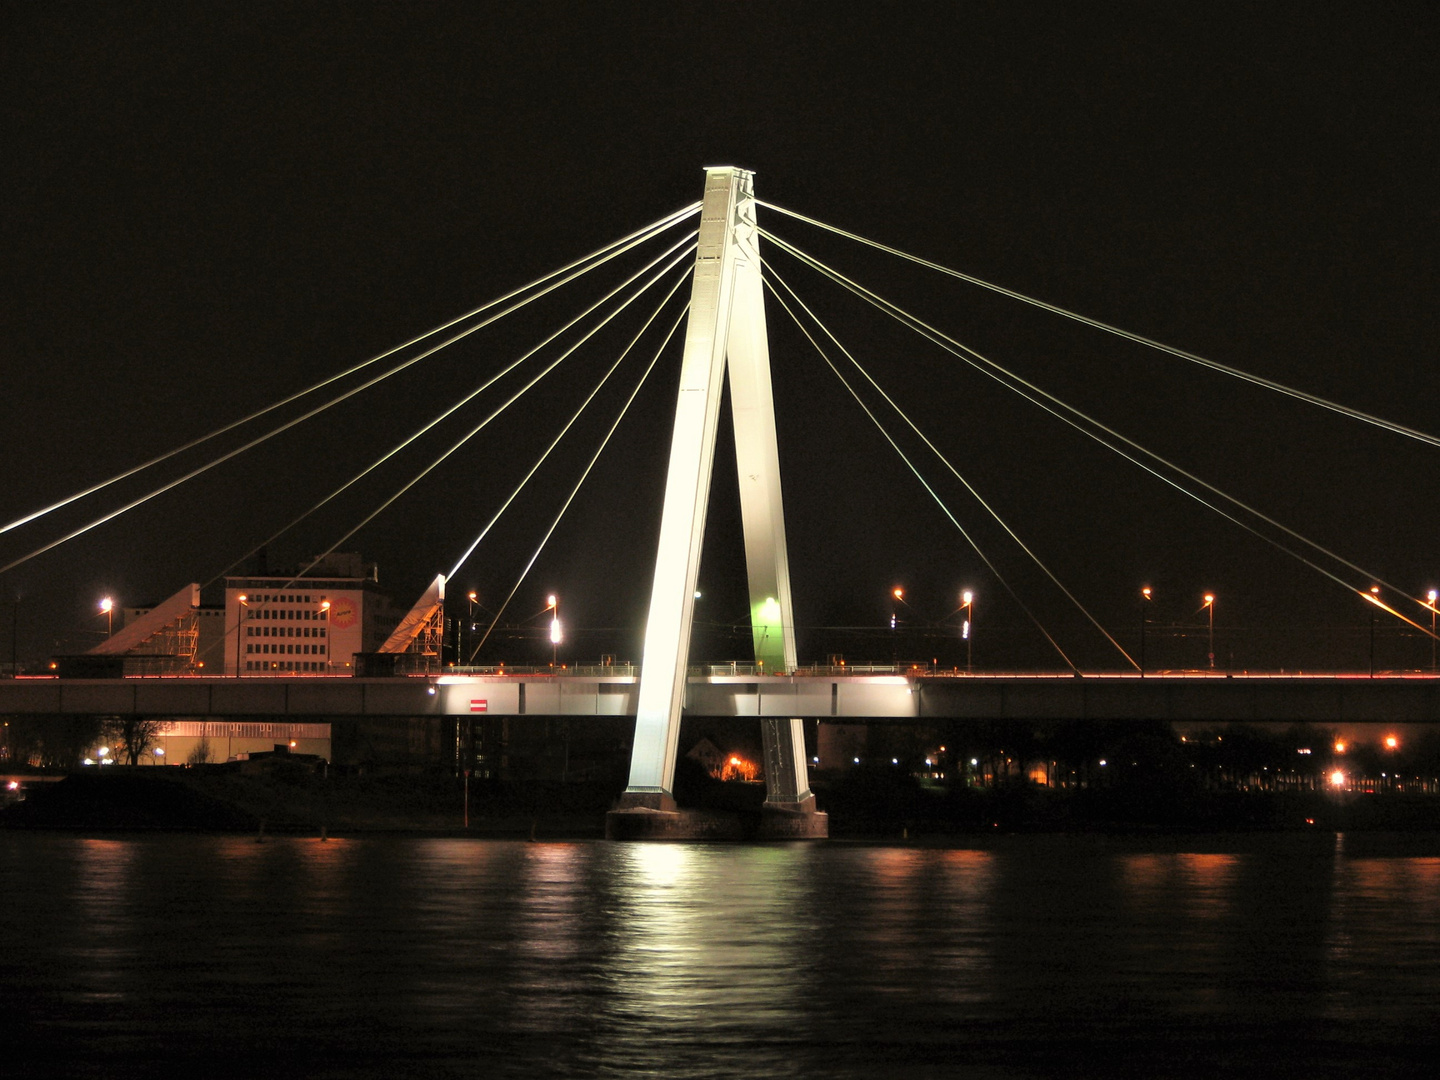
[726, 327]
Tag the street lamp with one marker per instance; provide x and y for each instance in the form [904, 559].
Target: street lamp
[554, 606]
[1374, 599]
[470, 621]
[1144, 603]
[107, 605]
[967, 629]
[1431, 596]
[241, 603]
[1210, 607]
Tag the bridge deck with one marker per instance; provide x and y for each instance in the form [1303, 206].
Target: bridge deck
[1180, 697]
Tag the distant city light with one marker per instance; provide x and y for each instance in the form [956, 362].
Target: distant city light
[1391, 742]
[1337, 779]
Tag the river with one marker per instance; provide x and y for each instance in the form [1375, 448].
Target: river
[220, 956]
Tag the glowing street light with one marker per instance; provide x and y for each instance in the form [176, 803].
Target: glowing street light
[967, 629]
[462, 640]
[107, 606]
[1210, 608]
[554, 606]
[241, 603]
[1432, 595]
[1144, 604]
[1374, 598]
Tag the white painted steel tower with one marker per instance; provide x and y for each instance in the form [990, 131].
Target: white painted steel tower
[726, 326]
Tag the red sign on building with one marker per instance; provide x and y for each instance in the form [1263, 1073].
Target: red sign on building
[478, 705]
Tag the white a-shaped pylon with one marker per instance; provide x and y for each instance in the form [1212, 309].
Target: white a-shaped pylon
[726, 324]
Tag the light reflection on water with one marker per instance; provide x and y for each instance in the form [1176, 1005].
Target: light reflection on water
[455, 957]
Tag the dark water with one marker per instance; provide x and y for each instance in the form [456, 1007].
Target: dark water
[1028, 956]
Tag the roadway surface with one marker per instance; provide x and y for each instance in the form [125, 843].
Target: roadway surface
[1184, 698]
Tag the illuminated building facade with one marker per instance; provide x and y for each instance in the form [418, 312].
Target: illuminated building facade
[310, 623]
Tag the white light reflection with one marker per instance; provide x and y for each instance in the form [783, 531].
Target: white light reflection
[704, 936]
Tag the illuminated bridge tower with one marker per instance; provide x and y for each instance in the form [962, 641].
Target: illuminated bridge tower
[726, 327]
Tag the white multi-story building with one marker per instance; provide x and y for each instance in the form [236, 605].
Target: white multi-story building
[305, 624]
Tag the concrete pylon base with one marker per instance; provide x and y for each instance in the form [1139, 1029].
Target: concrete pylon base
[799, 822]
[771, 823]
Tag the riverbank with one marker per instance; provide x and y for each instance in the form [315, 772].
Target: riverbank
[861, 805]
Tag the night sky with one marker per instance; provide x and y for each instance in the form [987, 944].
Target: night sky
[210, 207]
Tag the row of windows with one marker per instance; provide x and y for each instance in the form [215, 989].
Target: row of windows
[285, 631]
[266, 665]
[225, 729]
[287, 614]
[285, 598]
[288, 650]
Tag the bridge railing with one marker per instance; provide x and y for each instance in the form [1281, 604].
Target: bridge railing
[619, 669]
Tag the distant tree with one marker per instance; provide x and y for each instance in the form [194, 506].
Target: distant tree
[56, 742]
[200, 752]
[134, 735]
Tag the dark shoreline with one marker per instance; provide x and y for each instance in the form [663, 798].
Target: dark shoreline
[225, 801]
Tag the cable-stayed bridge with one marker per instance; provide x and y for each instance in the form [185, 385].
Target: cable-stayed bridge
[726, 342]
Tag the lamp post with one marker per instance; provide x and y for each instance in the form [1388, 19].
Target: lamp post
[241, 603]
[1144, 603]
[967, 629]
[1374, 599]
[1210, 608]
[470, 621]
[1432, 596]
[894, 627]
[554, 606]
[320, 616]
[107, 605]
